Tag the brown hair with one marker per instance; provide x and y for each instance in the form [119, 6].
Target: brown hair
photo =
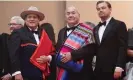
[108, 4]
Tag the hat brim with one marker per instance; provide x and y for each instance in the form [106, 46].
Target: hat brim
[25, 13]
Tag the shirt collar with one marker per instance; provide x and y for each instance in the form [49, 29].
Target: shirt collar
[107, 21]
[34, 30]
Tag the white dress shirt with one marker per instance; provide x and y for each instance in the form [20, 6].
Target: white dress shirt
[102, 29]
[68, 32]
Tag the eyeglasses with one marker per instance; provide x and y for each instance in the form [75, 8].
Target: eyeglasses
[11, 24]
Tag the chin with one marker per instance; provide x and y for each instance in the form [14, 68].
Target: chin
[71, 22]
[32, 25]
[102, 16]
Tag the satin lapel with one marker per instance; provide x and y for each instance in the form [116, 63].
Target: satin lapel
[29, 34]
[40, 32]
[96, 34]
[108, 28]
[63, 35]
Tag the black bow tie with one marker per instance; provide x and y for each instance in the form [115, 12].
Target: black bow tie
[100, 24]
[72, 28]
[36, 32]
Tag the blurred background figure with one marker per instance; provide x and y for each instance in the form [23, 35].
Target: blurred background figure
[90, 23]
[16, 22]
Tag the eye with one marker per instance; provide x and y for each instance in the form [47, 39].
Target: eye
[73, 12]
[35, 17]
[98, 9]
[68, 13]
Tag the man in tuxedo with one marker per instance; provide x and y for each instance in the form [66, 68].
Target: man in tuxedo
[23, 43]
[16, 22]
[111, 39]
[85, 53]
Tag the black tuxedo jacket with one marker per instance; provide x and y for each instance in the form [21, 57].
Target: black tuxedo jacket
[112, 50]
[22, 36]
[5, 65]
[85, 53]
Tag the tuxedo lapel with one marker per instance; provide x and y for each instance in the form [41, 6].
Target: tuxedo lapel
[107, 30]
[96, 35]
[29, 34]
[40, 32]
[63, 35]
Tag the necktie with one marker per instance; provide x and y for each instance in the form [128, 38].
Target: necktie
[72, 28]
[36, 32]
[103, 23]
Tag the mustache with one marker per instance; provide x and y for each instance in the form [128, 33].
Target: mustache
[70, 17]
[101, 12]
[32, 21]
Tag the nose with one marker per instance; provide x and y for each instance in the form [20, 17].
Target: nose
[100, 9]
[11, 28]
[70, 15]
[32, 18]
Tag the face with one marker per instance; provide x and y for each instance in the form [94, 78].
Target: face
[72, 16]
[103, 10]
[32, 21]
[13, 25]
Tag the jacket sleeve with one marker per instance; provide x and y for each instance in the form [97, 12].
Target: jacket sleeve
[122, 38]
[14, 45]
[6, 60]
[84, 51]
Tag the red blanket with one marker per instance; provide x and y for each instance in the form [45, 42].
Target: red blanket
[46, 48]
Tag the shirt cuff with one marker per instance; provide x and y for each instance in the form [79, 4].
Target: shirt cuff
[50, 58]
[16, 73]
[118, 69]
[10, 74]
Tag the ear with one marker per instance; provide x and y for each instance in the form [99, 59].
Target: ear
[110, 9]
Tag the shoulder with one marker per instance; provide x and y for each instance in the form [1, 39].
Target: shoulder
[118, 21]
[63, 29]
[4, 34]
[86, 26]
[118, 24]
[18, 31]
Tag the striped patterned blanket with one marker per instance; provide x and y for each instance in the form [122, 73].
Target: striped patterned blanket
[81, 36]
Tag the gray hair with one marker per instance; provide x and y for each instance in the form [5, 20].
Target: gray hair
[73, 7]
[90, 23]
[18, 20]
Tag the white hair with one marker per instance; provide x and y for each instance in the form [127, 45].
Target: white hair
[72, 7]
[18, 20]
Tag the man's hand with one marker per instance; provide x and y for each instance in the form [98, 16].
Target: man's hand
[66, 56]
[130, 52]
[118, 73]
[43, 59]
[6, 77]
[18, 77]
